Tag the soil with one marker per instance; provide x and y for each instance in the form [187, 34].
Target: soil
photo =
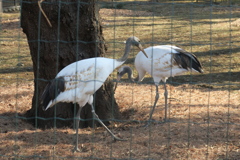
[203, 124]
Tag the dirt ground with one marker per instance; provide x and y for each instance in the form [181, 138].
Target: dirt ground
[204, 124]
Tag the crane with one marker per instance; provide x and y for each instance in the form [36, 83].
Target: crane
[78, 81]
[164, 61]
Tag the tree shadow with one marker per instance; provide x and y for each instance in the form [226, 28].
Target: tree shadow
[11, 24]
[170, 6]
[224, 80]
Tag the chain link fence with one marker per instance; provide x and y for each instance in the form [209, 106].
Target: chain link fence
[203, 109]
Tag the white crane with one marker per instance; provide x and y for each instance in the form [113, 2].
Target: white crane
[164, 61]
[78, 82]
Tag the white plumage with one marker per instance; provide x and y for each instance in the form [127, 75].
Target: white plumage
[78, 82]
[84, 77]
[163, 61]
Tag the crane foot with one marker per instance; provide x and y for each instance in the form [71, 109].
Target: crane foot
[165, 120]
[76, 149]
[118, 139]
[147, 124]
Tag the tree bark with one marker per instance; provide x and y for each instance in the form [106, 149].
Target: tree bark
[76, 34]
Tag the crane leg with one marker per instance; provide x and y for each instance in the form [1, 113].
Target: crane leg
[153, 108]
[76, 149]
[166, 104]
[97, 118]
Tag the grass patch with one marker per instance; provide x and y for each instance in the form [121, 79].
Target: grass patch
[209, 31]
[15, 59]
[204, 118]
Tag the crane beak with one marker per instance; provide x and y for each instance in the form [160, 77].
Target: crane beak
[141, 48]
[118, 79]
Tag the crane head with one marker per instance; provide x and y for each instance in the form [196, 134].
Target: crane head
[122, 71]
[136, 42]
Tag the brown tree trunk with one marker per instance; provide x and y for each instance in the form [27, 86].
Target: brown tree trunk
[75, 34]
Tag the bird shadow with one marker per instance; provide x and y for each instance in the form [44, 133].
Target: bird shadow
[223, 80]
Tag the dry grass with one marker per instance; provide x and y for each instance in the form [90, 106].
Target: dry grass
[204, 123]
[209, 32]
[15, 59]
[204, 118]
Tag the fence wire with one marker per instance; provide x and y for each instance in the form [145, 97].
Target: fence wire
[203, 109]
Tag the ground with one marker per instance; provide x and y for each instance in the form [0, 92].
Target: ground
[204, 121]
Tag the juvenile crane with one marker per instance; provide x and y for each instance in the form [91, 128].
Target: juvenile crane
[78, 82]
[164, 61]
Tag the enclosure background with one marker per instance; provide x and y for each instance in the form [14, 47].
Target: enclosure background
[203, 108]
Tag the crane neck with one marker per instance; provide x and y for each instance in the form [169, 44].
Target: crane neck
[126, 53]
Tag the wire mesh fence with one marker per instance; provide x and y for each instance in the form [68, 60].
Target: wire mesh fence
[203, 109]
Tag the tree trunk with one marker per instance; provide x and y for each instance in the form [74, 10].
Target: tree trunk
[75, 34]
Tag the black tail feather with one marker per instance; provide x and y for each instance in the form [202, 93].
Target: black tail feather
[52, 90]
[188, 61]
